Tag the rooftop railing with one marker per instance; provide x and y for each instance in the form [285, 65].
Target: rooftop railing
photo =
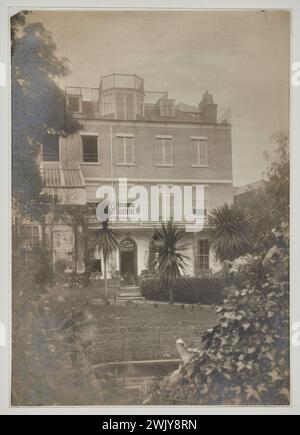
[123, 81]
[86, 94]
[127, 111]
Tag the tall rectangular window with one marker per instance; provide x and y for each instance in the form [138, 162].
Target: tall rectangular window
[164, 151]
[167, 107]
[74, 103]
[50, 147]
[125, 150]
[28, 235]
[125, 106]
[90, 148]
[202, 209]
[199, 152]
[203, 255]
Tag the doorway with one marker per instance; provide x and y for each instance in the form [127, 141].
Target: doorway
[128, 262]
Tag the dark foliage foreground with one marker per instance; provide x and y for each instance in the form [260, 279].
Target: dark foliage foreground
[52, 331]
[206, 291]
[245, 358]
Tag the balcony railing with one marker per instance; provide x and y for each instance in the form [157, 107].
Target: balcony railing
[122, 81]
[129, 216]
[86, 94]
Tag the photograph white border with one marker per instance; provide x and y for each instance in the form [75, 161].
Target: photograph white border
[10, 7]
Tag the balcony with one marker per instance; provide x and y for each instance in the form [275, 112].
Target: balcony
[127, 217]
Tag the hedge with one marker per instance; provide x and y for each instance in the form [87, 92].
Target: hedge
[206, 291]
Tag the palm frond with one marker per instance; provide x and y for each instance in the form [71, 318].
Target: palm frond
[167, 257]
[106, 240]
[231, 227]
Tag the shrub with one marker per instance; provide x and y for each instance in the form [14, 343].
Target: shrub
[52, 332]
[244, 360]
[248, 268]
[206, 291]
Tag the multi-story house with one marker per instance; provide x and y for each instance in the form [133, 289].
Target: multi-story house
[148, 139]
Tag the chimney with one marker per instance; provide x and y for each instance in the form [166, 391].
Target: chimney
[208, 108]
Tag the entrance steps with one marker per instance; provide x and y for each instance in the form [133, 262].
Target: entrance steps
[130, 293]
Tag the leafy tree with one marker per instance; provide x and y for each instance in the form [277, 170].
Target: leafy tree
[271, 204]
[107, 242]
[167, 258]
[230, 226]
[244, 360]
[38, 105]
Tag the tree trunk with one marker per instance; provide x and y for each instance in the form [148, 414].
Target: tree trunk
[171, 295]
[105, 281]
[86, 258]
[75, 231]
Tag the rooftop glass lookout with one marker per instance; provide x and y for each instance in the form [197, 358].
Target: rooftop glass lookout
[121, 81]
[123, 97]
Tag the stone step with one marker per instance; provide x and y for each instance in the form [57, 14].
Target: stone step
[133, 299]
[128, 289]
[129, 295]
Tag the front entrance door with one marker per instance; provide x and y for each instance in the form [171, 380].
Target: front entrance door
[128, 262]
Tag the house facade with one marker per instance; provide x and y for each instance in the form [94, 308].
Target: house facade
[147, 139]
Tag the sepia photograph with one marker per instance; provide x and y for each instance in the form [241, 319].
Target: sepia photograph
[150, 224]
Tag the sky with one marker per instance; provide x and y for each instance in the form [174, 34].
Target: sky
[241, 57]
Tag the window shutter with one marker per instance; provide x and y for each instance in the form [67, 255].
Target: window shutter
[159, 151]
[203, 152]
[120, 150]
[195, 152]
[129, 150]
[168, 152]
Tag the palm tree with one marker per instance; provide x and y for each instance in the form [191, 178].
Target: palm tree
[107, 242]
[167, 258]
[230, 226]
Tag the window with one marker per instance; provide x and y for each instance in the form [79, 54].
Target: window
[202, 209]
[108, 105]
[28, 235]
[90, 148]
[125, 106]
[96, 265]
[199, 152]
[66, 256]
[51, 148]
[74, 103]
[54, 196]
[167, 107]
[203, 255]
[125, 150]
[164, 151]
[56, 240]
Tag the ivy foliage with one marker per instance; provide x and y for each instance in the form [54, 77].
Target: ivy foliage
[245, 359]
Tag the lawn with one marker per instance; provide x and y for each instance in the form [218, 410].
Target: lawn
[146, 331]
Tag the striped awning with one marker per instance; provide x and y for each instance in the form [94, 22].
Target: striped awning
[57, 176]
